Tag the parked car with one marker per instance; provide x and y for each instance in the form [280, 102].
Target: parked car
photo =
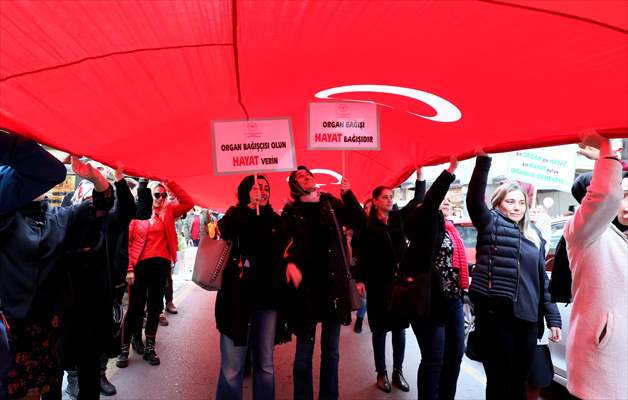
[558, 225]
[558, 350]
[469, 236]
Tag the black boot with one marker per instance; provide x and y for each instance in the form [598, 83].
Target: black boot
[357, 328]
[149, 352]
[106, 387]
[137, 344]
[399, 381]
[123, 358]
[383, 383]
[72, 389]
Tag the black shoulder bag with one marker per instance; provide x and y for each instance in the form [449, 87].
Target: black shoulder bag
[356, 299]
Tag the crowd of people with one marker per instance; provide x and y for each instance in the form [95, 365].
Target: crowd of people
[62, 269]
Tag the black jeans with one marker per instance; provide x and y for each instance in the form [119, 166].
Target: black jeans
[169, 288]
[148, 290]
[507, 346]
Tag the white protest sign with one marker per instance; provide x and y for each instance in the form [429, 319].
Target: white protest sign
[343, 126]
[257, 145]
[545, 168]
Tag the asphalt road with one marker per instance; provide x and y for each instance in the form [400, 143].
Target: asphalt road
[189, 352]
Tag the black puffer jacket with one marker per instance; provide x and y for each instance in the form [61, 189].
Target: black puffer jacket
[497, 275]
[318, 251]
[259, 242]
[425, 228]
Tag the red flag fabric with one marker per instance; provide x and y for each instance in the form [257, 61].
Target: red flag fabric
[141, 81]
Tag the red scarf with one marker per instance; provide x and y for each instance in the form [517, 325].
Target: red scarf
[459, 259]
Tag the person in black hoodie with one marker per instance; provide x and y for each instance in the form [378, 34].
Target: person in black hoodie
[379, 249]
[509, 288]
[247, 303]
[317, 268]
[33, 237]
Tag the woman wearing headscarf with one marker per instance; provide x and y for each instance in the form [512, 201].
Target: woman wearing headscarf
[317, 268]
[509, 288]
[248, 301]
[152, 250]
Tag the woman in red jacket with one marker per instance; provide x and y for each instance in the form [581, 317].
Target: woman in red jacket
[152, 250]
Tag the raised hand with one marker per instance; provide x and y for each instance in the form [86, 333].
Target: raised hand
[597, 141]
[453, 164]
[90, 173]
[345, 184]
[119, 172]
[419, 173]
[589, 152]
[479, 152]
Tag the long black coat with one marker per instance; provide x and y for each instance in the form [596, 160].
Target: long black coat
[259, 242]
[91, 278]
[425, 228]
[320, 254]
[379, 249]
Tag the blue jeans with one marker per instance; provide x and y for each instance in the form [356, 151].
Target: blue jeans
[431, 339]
[330, 355]
[454, 350]
[362, 311]
[233, 358]
[379, 349]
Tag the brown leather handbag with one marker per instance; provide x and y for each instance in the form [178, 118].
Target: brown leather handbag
[212, 258]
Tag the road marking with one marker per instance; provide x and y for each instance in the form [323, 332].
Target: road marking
[473, 373]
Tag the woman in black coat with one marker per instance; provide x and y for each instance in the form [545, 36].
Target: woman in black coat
[247, 303]
[431, 255]
[379, 249]
[317, 267]
[509, 289]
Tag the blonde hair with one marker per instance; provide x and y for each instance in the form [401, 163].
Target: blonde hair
[152, 185]
[524, 225]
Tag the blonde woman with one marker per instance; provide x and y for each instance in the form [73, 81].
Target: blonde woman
[152, 250]
[509, 288]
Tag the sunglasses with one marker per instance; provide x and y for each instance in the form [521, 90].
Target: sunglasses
[162, 195]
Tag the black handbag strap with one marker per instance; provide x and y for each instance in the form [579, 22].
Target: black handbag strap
[340, 237]
[392, 246]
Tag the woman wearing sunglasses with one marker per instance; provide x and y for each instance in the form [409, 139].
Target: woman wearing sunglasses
[152, 249]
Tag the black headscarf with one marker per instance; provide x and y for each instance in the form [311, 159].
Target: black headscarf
[580, 185]
[296, 191]
[244, 188]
